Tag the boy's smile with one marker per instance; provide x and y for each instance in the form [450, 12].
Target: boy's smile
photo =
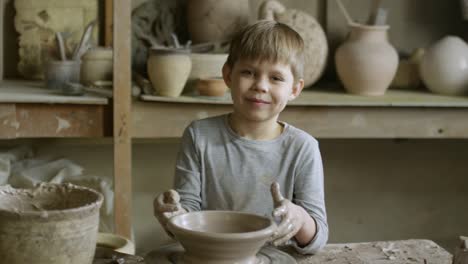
[260, 90]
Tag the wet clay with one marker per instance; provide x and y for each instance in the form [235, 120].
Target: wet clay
[52, 223]
[221, 237]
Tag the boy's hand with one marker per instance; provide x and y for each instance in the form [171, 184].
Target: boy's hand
[167, 205]
[292, 217]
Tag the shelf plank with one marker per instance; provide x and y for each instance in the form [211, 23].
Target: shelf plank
[34, 120]
[337, 97]
[168, 120]
[12, 91]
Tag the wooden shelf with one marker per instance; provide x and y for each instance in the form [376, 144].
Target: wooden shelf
[27, 110]
[324, 113]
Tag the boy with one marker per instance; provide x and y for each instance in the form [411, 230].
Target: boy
[245, 160]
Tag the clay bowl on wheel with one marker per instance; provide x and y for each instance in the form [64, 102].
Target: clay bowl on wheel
[221, 236]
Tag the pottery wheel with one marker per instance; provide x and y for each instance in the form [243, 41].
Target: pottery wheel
[172, 254]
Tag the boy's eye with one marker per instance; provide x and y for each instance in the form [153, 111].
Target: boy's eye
[246, 72]
[277, 78]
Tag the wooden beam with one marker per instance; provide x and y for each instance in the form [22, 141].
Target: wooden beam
[122, 118]
[108, 22]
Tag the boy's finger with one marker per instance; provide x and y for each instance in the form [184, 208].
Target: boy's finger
[282, 240]
[279, 211]
[276, 193]
[283, 228]
[161, 206]
[171, 197]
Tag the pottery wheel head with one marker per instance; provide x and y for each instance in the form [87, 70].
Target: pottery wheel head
[173, 254]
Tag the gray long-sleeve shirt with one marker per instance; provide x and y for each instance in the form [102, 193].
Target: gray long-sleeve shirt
[218, 170]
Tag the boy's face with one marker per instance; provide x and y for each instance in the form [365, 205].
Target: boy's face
[260, 90]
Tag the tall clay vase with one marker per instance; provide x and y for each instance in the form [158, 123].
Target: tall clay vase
[168, 70]
[366, 62]
[216, 20]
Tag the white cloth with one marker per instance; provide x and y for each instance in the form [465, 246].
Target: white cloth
[20, 169]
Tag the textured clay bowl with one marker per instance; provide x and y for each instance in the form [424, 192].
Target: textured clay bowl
[211, 87]
[221, 236]
[49, 224]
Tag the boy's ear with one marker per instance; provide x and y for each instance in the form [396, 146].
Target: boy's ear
[296, 90]
[227, 74]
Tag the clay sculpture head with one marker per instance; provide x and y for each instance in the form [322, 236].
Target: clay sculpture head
[221, 236]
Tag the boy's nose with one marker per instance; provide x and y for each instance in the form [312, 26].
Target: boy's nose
[261, 85]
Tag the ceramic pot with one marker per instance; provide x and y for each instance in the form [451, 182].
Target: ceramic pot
[444, 66]
[216, 20]
[204, 65]
[96, 65]
[211, 87]
[168, 70]
[50, 224]
[221, 237]
[366, 62]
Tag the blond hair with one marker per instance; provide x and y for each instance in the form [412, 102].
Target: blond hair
[268, 40]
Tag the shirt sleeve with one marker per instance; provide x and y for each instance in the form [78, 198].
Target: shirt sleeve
[187, 180]
[309, 194]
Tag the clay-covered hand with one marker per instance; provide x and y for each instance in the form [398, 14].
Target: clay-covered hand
[167, 205]
[291, 217]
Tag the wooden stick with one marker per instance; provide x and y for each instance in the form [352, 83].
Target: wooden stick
[60, 46]
[374, 11]
[345, 12]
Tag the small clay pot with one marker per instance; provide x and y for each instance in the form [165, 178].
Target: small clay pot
[211, 87]
[221, 237]
[168, 70]
[97, 65]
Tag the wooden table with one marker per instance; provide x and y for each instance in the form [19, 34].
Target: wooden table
[384, 252]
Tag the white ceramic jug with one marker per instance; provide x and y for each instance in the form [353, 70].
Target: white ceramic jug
[444, 66]
[366, 62]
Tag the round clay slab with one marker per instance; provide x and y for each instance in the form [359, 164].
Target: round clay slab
[172, 254]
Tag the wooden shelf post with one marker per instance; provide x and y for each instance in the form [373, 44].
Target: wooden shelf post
[122, 117]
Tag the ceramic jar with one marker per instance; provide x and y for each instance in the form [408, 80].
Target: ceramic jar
[168, 70]
[216, 20]
[96, 65]
[366, 62]
[444, 66]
